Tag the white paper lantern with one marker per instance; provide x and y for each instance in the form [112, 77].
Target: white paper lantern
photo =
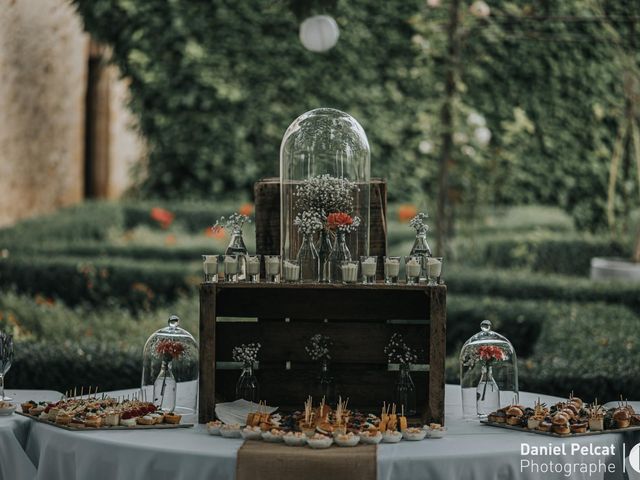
[319, 33]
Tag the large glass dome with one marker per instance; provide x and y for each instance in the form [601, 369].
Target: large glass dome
[170, 369]
[324, 170]
[488, 366]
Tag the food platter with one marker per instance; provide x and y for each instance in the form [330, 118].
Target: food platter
[159, 426]
[552, 434]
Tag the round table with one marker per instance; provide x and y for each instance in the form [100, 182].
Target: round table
[32, 450]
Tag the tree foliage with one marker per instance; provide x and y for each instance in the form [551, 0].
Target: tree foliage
[215, 85]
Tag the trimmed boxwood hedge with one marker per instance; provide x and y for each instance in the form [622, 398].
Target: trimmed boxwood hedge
[568, 254]
[518, 284]
[119, 281]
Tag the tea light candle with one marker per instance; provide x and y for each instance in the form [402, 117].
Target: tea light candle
[291, 271]
[253, 268]
[210, 267]
[413, 268]
[434, 269]
[391, 270]
[349, 272]
[231, 268]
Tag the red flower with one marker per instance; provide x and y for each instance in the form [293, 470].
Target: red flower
[489, 353]
[246, 209]
[169, 349]
[406, 212]
[162, 216]
[336, 220]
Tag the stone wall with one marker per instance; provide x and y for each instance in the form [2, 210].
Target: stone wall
[43, 84]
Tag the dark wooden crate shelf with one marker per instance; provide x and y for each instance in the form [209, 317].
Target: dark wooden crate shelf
[359, 319]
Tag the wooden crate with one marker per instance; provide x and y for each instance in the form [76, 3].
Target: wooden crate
[267, 202]
[360, 319]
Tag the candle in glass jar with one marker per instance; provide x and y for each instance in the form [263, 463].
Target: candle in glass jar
[230, 264]
[291, 271]
[253, 265]
[272, 265]
[369, 267]
[391, 267]
[210, 264]
[413, 268]
[349, 272]
[435, 267]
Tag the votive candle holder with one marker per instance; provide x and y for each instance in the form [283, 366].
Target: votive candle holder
[291, 270]
[231, 268]
[253, 268]
[412, 268]
[368, 268]
[349, 271]
[434, 270]
[210, 268]
[272, 268]
[392, 270]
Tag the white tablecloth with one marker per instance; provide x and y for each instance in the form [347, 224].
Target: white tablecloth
[31, 450]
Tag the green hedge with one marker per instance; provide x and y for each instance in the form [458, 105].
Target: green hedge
[517, 284]
[112, 281]
[60, 367]
[568, 254]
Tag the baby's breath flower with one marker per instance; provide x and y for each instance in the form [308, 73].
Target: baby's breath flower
[233, 222]
[246, 353]
[418, 222]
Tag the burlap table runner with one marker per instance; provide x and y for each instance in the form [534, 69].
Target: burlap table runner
[276, 461]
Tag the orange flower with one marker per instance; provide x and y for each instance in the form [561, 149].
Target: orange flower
[406, 212]
[216, 234]
[246, 209]
[336, 220]
[163, 217]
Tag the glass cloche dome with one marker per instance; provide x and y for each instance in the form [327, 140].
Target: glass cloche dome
[324, 188]
[488, 373]
[170, 369]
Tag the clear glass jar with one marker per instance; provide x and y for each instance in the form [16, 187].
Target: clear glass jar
[405, 392]
[339, 253]
[421, 249]
[488, 373]
[238, 248]
[247, 385]
[321, 142]
[309, 260]
[170, 369]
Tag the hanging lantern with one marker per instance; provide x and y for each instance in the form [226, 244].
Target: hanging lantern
[319, 33]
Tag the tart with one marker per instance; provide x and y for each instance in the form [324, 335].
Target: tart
[63, 418]
[112, 419]
[93, 420]
[544, 426]
[27, 406]
[146, 420]
[172, 418]
[514, 415]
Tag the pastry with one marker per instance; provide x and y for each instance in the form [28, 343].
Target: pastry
[578, 427]
[172, 418]
[544, 426]
[622, 418]
[514, 415]
[146, 420]
[93, 420]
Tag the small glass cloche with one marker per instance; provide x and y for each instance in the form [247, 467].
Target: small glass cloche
[170, 369]
[488, 373]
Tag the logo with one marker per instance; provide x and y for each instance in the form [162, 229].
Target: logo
[634, 458]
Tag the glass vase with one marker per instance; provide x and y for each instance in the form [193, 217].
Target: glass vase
[308, 260]
[339, 254]
[247, 386]
[324, 383]
[487, 393]
[324, 253]
[237, 247]
[164, 388]
[422, 250]
[405, 392]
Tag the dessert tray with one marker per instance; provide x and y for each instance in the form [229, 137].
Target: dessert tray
[101, 413]
[571, 418]
[322, 427]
